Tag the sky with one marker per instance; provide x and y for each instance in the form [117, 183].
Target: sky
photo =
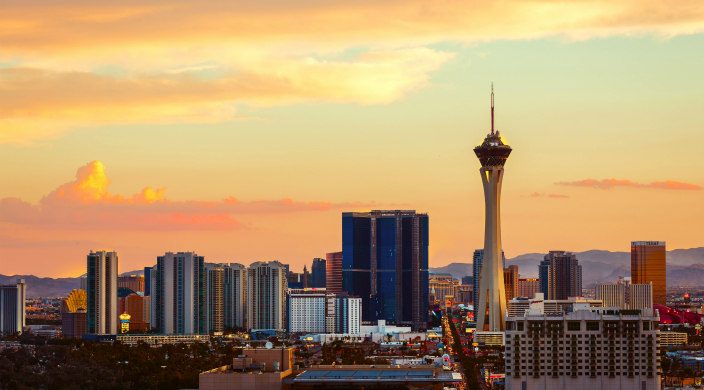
[242, 130]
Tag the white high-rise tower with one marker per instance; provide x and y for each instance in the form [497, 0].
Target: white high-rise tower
[492, 154]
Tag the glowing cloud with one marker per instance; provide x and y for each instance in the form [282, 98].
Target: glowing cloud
[86, 203]
[607, 184]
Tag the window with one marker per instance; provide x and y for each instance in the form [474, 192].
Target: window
[593, 325]
[573, 325]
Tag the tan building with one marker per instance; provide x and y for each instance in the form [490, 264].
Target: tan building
[648, 262]
[261, 369]
[672, 339]
[626, 295]
[528, 287]
[511, 282]
[133, 282]
[441, 286]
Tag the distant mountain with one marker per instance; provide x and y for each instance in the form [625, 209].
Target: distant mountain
[458, 270]
[43, 287]
[685, 267]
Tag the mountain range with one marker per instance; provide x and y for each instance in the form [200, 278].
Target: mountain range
[685, 267]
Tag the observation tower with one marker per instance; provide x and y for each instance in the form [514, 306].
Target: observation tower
[492, 154]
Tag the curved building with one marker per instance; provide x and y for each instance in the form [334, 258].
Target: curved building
[492, 154]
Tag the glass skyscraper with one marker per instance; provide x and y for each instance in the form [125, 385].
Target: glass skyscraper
[385, 262]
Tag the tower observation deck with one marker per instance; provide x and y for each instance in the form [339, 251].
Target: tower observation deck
[491, 297]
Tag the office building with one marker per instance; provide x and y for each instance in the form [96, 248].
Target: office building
[179, 294]
[215, 296]
[511, 282]
[266, 295]
[385, 262]
[12, 307]
[101, 292]
[584, 348]
[317, 273]
[528, 287]
[235, 296]
[132, 282]
[560, 275]
[333, 272]
[648, 264]
[625, 295]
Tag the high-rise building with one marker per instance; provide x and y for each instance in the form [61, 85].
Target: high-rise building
[306, 277]
[648, 264]
[348, 314]
[385, 262]
[73, 315]
[442, 286]
[266, 295]
[583, 348]
[317, 273]
[179, 294]
[139, 308]
[12, 307]
[215, 296]
[560, 275]
[511, 282]
[528, 287]
[467, 280]
[492, 154]
[625, 295]
[132, 282]
[333, 272]
[147, 281]
[101, 293]
[235, 296]
[308, 311]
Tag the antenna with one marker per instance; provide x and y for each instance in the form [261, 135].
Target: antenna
[492, 108]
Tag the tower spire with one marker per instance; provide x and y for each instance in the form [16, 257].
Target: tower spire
[492, 108]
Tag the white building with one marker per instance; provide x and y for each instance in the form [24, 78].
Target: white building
[589, 348]
[215, 296]
[101, 293]
[178, 297]
[12, 308]
[266, 295]
[625, 295]
[317, 311]
[517, 306]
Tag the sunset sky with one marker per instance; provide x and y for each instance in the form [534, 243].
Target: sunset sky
[242, 130]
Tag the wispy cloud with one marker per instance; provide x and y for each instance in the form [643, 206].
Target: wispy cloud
[76, 63]
[86, 203]
[544, 195]
[606, 184]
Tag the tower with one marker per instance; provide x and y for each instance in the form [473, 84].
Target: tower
[649, 264]
[492, 154]
[101, 292]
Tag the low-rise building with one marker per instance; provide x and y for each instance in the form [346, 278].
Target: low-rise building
[672, 339]
[257, 368]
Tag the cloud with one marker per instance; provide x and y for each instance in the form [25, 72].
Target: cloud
[78, 63]
[86, 203]
[607, 184]
[544, 195]
[37, 103]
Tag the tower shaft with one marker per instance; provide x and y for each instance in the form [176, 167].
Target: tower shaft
[492, 295]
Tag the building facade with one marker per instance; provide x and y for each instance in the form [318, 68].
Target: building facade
[511, 282]
[266, 295]
[318, 273]
[333, 272]
[179, 294]
[215, 296]
[101, 293]
[560, 275]
[12, 307]
[235, 296]
[626, 295]
[132, 282]
[385, 262]
[528, 287]
[648, 264]
[586, 348]
[442, 286]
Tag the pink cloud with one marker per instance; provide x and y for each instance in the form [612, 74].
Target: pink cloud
[607, 184]
[86, 203]
[544, 195]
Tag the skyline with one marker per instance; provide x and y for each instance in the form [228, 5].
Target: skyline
[247, 143]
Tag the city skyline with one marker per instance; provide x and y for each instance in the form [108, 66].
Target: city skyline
[234, 138]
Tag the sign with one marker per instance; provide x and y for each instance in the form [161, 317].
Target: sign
[125, 322]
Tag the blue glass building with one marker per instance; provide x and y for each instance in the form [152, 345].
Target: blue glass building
[385, 262]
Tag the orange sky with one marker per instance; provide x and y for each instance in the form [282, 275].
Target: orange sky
[242, 130]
